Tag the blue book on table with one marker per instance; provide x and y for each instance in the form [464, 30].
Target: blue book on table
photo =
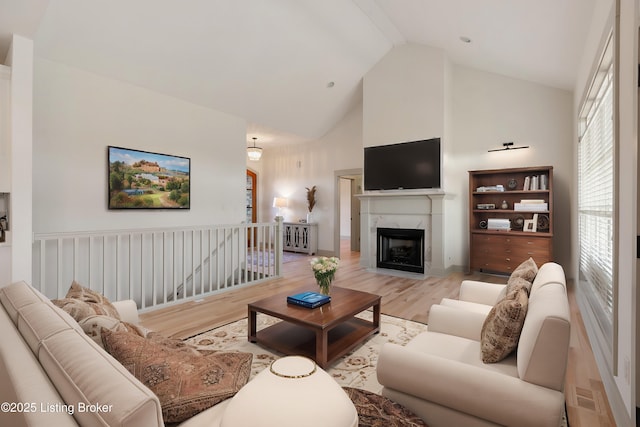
[308, 299]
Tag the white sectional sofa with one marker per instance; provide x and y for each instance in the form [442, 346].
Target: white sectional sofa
[441, 377]
[53, 374]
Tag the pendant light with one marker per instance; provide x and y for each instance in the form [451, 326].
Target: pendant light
[254, 153]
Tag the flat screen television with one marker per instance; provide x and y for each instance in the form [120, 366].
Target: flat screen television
[404, 166]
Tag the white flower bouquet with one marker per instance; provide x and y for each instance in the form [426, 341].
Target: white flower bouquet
[324, 270]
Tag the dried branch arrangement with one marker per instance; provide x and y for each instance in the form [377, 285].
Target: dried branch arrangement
[311, 197]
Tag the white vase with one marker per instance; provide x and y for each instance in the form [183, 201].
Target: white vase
[309, 217]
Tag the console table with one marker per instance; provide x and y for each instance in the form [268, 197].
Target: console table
[300, 237]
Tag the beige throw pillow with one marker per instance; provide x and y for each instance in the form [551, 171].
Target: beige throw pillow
[185, 383]
[503, 325]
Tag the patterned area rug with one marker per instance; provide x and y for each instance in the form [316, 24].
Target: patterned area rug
[356, 369]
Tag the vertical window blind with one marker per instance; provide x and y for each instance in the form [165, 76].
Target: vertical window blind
[596, 190]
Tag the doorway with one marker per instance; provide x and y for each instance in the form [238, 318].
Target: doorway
[252, 189]
[251, 203]
[348, 185]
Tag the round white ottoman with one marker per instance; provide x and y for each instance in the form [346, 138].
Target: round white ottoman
[293, 392]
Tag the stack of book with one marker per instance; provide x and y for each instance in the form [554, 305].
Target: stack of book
[486, 188]
[536, 182]
[498, 224]
[535, 205]
[308, 299]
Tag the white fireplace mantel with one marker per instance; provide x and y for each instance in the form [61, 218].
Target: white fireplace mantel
[418, 209]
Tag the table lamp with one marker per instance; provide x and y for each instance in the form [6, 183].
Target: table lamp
[280, 202]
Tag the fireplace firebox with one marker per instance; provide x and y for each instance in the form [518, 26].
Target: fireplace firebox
[401, 249]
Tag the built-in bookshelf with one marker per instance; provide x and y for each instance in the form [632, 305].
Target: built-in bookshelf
[510, 217]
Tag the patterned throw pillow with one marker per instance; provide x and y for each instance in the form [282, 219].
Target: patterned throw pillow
[80, 310]
[186, 384]
[92, 326]
[517, 283]
[97, 301]
[175, 344]
[523, 274]
[503, 325]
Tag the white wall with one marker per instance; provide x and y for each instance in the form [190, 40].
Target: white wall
[291, 168]
[404, 96]
[5, 129]
[489, 109]
[78, 114]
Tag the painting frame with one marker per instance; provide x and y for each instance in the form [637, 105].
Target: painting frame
[139, 179]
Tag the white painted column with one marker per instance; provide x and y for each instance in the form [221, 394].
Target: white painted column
[21, 140]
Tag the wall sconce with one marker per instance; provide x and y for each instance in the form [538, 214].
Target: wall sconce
[506, 146]
[280, 202]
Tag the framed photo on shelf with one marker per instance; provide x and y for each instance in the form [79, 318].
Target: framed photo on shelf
[531, 225]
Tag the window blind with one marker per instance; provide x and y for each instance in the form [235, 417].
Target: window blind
[596, 191]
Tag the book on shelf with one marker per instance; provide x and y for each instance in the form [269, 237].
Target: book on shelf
[536, 182]
[486, 188]
[538, 207]
[544, 182]
[498, 224]
[309, 299]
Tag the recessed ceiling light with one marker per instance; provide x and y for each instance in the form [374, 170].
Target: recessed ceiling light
[331, 84]
[465, 39]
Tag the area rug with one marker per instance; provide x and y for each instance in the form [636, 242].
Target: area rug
[356, 369]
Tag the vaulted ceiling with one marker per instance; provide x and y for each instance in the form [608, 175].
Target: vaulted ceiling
[293, 68]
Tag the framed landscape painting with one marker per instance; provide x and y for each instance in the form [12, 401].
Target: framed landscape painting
[144, 180]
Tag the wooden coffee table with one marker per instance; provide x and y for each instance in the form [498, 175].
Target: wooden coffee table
[323, 334]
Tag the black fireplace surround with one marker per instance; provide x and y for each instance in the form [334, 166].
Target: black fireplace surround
[400, 249]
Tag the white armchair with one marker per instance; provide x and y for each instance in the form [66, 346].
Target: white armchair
[440, 375]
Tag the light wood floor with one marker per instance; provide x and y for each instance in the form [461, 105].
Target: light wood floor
[587, 403]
